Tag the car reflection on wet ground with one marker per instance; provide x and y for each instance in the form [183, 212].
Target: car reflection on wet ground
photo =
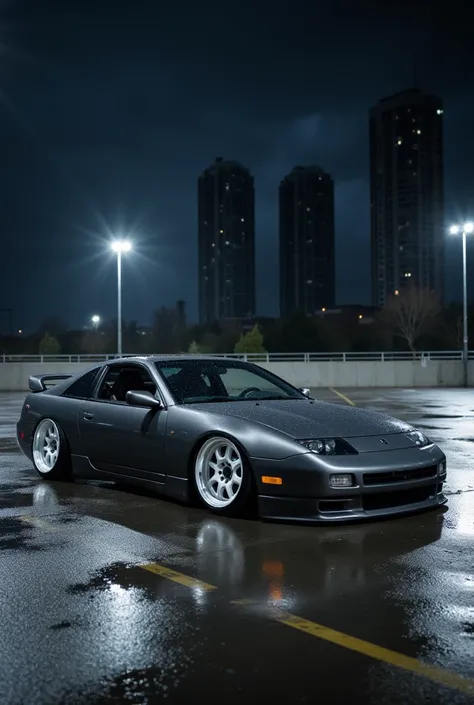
[109, 594]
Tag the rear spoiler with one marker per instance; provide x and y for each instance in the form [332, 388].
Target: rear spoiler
[37, 383]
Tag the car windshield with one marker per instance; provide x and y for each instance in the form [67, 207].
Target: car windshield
[198, 381]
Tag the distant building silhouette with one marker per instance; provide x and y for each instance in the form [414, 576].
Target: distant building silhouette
[406, 175]
[307, 266]
[226, 242]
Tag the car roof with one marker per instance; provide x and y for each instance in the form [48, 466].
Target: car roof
[168, 358]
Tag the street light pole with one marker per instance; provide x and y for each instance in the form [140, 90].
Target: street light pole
[119, 246]
[119, 303]
[465, 342]
[465, 229]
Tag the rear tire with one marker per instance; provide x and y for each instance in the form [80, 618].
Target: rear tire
[223, 478]
[50, 451]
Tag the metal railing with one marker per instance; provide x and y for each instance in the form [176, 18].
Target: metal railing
[262, 357]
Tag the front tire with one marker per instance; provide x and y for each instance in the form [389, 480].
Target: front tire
[223, 477]
[51, 456]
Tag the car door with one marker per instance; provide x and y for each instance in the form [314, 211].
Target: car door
[120, 438]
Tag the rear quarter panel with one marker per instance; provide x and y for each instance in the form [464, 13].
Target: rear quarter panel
[62, 410]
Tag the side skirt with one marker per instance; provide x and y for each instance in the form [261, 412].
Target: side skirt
[168, 485]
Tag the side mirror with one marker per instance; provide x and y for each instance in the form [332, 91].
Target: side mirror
[306, 392]
[142, 398]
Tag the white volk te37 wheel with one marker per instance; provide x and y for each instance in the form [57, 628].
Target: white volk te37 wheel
[51, 456]
[222, 476]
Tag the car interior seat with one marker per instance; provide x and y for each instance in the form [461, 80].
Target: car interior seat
[127, 381]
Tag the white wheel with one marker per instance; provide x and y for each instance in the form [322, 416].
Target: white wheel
[50, 451]
[46, 446]
[219, 472]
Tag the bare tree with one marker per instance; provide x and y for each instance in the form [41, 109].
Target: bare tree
[411, 313]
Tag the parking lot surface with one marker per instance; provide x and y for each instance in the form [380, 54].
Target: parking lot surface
[110, 594]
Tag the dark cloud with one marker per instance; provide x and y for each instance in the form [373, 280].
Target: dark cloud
[111, 110]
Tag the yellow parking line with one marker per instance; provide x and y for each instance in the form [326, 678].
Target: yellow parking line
[177, 577]
[379, 653]
[342, 396]
[38, 522]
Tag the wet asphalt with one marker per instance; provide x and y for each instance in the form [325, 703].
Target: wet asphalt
[109, 594]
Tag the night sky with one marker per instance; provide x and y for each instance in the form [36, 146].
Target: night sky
[110, 110]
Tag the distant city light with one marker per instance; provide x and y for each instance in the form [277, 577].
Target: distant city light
[440, 112]
[121, 246]
[396, 292]
[360, 315]
[20, 331]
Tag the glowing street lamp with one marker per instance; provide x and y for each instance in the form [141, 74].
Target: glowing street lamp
[465, 230]
[95, 321]
[120, 246]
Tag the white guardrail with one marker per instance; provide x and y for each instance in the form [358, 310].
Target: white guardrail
[262, 357]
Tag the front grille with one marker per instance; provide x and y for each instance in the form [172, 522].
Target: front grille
[387, 500]
[395, 476]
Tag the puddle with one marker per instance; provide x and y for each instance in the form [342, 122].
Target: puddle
[16, 535]
[145, 686]
[444, 416]
[105, 579]
[468, 628]
[65, 624]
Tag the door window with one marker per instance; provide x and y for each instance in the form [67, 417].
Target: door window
[121, 379]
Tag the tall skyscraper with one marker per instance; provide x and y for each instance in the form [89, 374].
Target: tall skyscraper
[307, 266]
[226, 216]
[406, 183]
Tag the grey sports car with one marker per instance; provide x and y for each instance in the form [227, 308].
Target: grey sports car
[229, 434]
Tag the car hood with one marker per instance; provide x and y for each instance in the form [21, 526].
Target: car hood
[306, 419]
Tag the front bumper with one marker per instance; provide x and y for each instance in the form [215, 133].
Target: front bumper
[387, 483]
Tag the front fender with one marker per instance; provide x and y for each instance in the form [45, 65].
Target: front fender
[186, 428]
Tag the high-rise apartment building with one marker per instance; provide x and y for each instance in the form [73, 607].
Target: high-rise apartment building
[406, 175]
[226, 215]
[307, 266]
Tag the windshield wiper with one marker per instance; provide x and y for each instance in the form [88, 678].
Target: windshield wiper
[207, 400]
[273, 398]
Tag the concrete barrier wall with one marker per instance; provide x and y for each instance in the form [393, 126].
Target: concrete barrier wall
[403, 373]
